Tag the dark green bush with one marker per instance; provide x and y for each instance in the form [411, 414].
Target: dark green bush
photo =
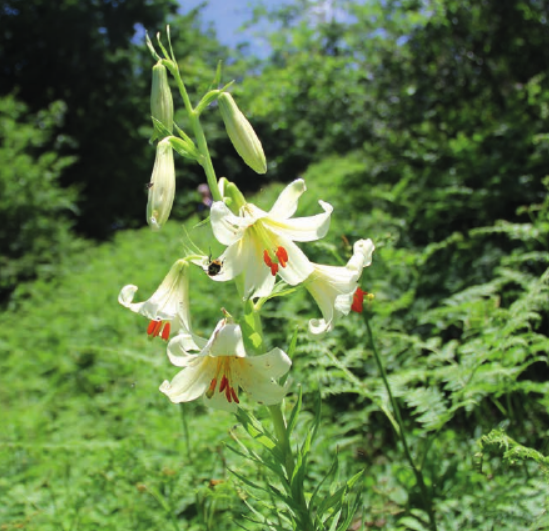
[35, 212]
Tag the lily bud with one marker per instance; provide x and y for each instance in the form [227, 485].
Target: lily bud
[161, 186]
[241, 133]
[161, 97]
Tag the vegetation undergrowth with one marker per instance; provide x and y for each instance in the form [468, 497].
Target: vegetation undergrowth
[86, 432]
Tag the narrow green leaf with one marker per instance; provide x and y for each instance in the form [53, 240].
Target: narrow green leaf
[292, 421]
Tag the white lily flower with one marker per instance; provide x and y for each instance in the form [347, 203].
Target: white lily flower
[261, 244]
[161, 186]
[335, 289]
[222, 367]
[168, 303]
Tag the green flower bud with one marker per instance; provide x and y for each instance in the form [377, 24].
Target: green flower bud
[242, 134]
[162, 186]
[161, 96]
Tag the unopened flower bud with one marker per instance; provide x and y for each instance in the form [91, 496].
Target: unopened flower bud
[161, 186]
[161, 97]
[241, 133]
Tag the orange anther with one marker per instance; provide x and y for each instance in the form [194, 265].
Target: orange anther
[358, 300]
[154, 327]
[224, 384]
[211, 389]
[166, 332]
[267, 258]
[282, 255]
[235, 396]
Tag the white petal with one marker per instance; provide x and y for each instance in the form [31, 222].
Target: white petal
[233, 262]
[182, 349]
[344, 302]
[318, 327]
[219, 401]
[273, 364]
[305, 229]
[227, 341]
[167, 301]
[259, 280]
[286, 204]
[332, 287]
[362, 255]
[126, 296]
[227, 227]
[325, 299]
[298, 267]
[255, 376]
[191, 382]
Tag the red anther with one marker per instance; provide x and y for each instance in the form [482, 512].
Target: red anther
[282, 255]
[235, 396]
[228, 395]
[151, 327]
[211, 389]
[267, 258]
[154, 327]
[358, 300]
[274, 269]
[224, 384]
[166, 332]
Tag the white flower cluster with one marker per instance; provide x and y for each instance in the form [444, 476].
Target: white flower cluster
[260, 246]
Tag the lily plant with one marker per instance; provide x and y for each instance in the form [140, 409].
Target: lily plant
[262, 254]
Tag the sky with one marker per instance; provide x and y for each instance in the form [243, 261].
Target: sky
[227, 16]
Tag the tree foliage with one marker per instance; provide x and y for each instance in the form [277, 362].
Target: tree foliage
[91, 56]
[35, 226]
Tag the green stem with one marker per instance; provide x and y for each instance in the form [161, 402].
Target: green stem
[198, 132]
[282, 436]
[207, 160]
[186, 430]
[303, 517]
[401, 432]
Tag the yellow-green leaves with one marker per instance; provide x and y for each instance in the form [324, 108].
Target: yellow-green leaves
[241, 133]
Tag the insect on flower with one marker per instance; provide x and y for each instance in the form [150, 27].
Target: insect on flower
[214, 267]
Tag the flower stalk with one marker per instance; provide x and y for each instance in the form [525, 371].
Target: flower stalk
[262, 255]
[205, 160]
[401, 432]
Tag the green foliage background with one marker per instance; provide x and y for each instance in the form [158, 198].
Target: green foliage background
[423, 123]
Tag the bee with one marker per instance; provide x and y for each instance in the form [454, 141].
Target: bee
[214, 267]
